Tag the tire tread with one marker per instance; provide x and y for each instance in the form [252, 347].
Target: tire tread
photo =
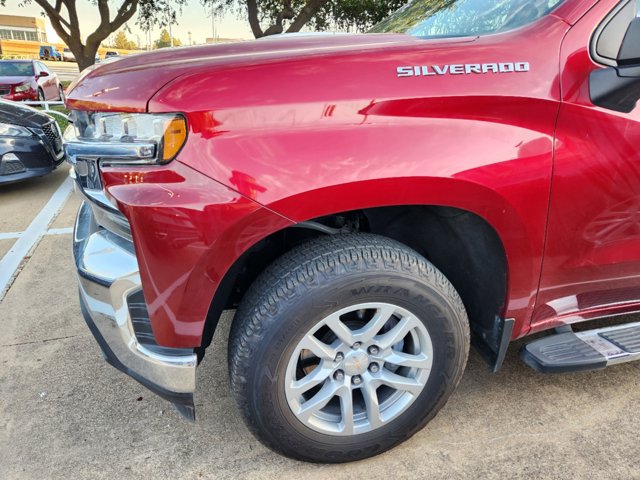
[304, 268]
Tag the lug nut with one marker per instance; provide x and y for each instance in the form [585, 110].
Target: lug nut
[339, 357]
[373, 350]
[338, 376]
[356, 345]
[356, 380]
[374, 368]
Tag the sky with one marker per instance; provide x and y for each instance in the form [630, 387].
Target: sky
[193, 19]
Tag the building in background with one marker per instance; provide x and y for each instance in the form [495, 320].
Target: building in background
[16, 27]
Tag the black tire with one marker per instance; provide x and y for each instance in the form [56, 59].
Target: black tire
[316, 280]
[60, 93]
[41, 95]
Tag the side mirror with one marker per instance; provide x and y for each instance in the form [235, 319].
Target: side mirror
[43, 74]
[618, 88]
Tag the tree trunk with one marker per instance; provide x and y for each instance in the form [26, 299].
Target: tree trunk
[85, 54]
[254, 22]
[308, 11]
[85, 60]
[69, 30]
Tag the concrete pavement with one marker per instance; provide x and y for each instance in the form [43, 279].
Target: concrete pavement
[66, 71]
[66, 414]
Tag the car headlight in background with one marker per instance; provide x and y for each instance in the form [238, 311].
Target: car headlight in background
[23, 87]
[8, 130]
[158, 137]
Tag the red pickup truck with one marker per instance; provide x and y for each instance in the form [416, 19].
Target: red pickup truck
[466, 173]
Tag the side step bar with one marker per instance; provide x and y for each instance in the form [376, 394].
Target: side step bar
[582, 351]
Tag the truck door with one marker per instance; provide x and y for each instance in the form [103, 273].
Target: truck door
[592, 256]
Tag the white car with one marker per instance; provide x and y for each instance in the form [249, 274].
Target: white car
[68, 56]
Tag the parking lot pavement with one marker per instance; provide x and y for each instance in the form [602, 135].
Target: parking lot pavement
[21, 202]
[64, 413]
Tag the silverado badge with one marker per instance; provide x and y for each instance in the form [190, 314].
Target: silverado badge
[462, 69]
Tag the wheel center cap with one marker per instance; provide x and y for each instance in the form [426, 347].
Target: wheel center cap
[356, 363]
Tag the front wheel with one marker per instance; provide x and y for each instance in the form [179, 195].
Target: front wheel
[345, 347]
[60, 93]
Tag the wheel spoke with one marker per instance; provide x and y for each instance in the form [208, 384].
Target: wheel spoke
[400, 383]
[344, 333]
[407, 360]
[318, 401]
[346, 409]
[318, 348]
[347, 351]
[369, 392]
[397, 333]
[315, 378]
[380, 318]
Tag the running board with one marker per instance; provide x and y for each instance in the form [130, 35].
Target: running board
[582, 351]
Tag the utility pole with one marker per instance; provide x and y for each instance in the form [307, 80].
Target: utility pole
[170, 23]
[190, 42]
[213, 23]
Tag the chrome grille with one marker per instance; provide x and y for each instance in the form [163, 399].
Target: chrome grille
[52, 132]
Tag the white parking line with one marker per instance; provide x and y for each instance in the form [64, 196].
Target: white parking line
[30, 238]
[51, 231]
[10, 235]
[59, 231]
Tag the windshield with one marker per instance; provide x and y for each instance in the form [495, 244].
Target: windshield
[462, 18]
[16, 69]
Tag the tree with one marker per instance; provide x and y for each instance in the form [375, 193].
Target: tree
[63, 15]
[121, 41]
[165, 40]
[270, 17]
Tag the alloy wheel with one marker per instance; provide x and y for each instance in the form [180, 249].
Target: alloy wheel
[358, 369]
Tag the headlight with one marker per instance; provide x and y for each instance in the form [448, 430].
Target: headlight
[8, 130]
[157, 137]
[23, 87]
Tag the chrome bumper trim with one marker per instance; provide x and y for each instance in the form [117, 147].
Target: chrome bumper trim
[108, 273]
[75, 149]
[105, 212]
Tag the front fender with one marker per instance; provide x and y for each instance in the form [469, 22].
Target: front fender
[519, 226]
[497, 165]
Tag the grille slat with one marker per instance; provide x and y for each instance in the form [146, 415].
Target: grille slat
[52, 133]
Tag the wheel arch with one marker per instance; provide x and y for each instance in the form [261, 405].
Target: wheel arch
[468, 231]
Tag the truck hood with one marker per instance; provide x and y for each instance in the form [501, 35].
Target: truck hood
[129, 83]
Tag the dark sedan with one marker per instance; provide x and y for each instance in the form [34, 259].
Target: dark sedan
[28, 80]
[30, 143]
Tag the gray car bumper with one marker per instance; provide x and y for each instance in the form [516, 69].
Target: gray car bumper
[110, 298]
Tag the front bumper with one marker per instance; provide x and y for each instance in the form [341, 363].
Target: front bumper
[25, 174]
[114, 309]
[35, 157]
[29, 95]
